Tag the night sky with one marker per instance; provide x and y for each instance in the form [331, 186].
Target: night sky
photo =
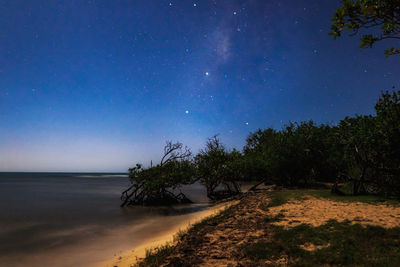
[101, 85]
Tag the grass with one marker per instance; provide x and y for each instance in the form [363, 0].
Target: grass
[342, 243]
[157, 256]
[277, 218]
[345, 244]
[281, 197]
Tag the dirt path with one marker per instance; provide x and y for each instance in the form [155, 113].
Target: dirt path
[218, 242]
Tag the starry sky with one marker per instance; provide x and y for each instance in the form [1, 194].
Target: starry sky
[101, 85]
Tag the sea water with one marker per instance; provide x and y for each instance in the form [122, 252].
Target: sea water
[75, 219]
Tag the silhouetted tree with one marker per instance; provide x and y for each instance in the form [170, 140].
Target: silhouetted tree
[363, 151]
[380, 17]
[218, 170]
[296, 155]
[372, 148]
[387, 162]
[358, 136]
[156, 185]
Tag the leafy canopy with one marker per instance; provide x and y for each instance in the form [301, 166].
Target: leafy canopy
[157, 184]
[380, 17]
[217, 167]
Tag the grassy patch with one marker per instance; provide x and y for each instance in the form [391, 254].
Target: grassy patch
[336, 243]
[345, 244]
[156, 256]
[281, 197]
[210, 220]
[277, 218]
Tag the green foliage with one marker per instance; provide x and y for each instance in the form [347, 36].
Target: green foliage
[387, 160]
[372, 147]
[281, 197]
[156, 185]
[219, 170]
[296, 155]
[358, 139]
[155, 257]
[382, 17]
[259, 153]
[216, 168]
[341, 244]
[160, 177]
[362, 150]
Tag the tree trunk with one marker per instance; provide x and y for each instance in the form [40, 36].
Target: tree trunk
[359, 185]
[335, 189]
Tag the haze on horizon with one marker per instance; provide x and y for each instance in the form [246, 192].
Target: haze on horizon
[101, 85]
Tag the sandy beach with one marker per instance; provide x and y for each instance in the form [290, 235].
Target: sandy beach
[317, 211]
[129, 257]
[228, 238]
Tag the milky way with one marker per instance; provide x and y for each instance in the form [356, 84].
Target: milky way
[100, 85]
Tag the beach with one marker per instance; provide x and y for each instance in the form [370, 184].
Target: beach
[165, 236]
[64, 219]
[289, 228]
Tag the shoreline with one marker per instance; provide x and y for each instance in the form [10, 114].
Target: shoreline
[130, 257]
[279, 228]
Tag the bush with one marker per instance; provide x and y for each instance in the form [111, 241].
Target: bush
[362, 150]
[156, 185]
[219, 170]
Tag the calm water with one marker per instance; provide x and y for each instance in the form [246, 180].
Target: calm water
[64, 219]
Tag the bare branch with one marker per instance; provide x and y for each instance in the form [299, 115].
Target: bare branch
[175, 151]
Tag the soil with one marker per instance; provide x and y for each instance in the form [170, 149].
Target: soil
[317, 211]
[219, 241]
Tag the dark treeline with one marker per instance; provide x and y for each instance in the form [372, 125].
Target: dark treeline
[362, 152]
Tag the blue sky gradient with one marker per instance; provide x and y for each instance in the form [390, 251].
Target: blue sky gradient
[101, 85]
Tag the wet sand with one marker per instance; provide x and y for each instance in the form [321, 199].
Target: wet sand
[161, 235]
[99, 247]
[64, 219]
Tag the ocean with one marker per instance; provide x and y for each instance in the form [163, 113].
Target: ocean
[74, 219]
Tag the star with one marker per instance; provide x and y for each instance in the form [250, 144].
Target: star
[187, 111]
[247, 123]
[234, 13]
[194, 4]
[206, 73]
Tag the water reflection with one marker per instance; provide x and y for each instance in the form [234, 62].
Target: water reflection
[71, 219]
